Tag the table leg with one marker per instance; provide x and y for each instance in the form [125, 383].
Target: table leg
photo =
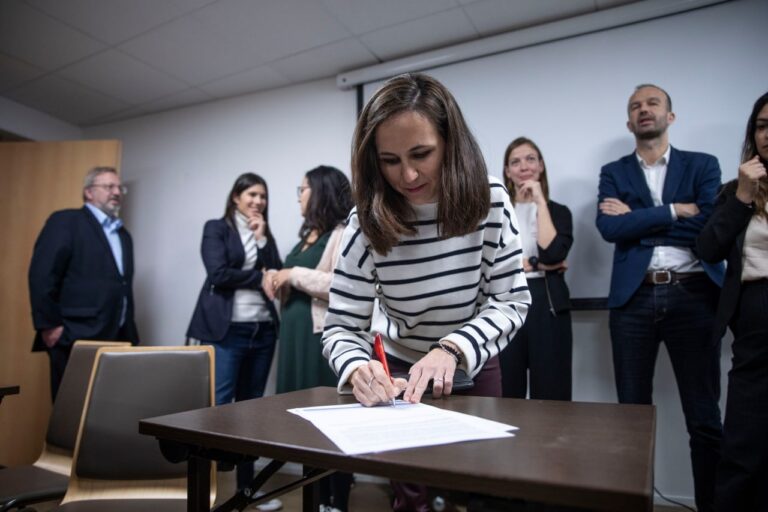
[198, 484]
[310, 494]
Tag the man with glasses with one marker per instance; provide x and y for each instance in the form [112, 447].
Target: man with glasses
[80, 277]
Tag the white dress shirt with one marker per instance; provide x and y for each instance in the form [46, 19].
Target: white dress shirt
[666, 257]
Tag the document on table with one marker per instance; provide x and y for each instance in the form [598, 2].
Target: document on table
[357, 429]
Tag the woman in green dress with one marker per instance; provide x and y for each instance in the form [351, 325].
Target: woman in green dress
[302, 285]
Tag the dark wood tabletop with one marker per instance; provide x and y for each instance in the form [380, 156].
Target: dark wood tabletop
[592, 455]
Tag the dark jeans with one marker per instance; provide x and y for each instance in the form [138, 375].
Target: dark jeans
[243, 358]
[541, 352]
[742, 476]
[682, 316]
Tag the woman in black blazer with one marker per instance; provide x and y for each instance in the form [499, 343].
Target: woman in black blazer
[541, 352]
[233, 312]
[738, 231]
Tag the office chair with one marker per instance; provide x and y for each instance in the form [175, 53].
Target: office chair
[115, 467]
[46, 479]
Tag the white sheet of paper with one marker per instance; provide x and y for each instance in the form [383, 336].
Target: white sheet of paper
[357, 429]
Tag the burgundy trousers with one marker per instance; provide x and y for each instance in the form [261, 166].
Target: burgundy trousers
[414, 497]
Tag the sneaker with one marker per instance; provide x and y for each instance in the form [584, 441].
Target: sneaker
[270, 506]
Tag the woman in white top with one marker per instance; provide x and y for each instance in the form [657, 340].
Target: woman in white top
[538, 361]
[738, 231]
[233, 312]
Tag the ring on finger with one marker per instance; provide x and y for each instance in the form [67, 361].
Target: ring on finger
[438, 379]
[370, 382]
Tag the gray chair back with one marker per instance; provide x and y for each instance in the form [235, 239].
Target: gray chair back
[68, 407]
[129, 385]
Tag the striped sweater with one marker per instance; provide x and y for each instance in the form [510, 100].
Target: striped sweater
[470, 290]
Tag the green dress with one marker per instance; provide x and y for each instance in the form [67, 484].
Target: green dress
[301, 364]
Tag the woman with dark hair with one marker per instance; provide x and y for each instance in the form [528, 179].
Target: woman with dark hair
[738, 231]
[430, 257]
[325, 199]
[541, 352]
[233, 312]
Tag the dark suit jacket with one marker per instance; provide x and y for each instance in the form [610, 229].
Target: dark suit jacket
[723, 237]
[223, 256]
[74, 280]
[559, 296]
[691, 178]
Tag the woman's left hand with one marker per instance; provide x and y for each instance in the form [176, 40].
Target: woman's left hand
[437, 366]
[267, 283]
[281, 278]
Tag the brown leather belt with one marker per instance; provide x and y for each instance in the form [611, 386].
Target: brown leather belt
[668, 276]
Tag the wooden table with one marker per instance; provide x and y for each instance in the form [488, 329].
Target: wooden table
[592, 455]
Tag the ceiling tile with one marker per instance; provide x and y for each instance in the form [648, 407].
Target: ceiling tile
[277, 29]
[257, 79]
[36, 38]
[325, 61]
[495, 16]
[193, 51]
[123, 77]
[115, 21]
[362, 16]
[183, 99]
[65, 100]
[14, 72]
[445, 28]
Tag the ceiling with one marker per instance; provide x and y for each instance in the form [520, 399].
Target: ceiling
[93, 61]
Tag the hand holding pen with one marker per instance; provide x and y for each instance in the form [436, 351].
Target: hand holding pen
[372, 383]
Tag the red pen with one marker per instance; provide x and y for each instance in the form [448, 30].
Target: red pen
[378, 348]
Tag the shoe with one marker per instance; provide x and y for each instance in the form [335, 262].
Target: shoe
[270, 506]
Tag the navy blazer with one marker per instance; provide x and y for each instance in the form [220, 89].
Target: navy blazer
[691, 178]
[74, 280]
[723, 237]
[223, 256]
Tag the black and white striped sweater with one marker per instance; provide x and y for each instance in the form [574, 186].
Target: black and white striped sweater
[470, 290]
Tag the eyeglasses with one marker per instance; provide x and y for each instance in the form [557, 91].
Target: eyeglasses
[300, 190]
[122, 188]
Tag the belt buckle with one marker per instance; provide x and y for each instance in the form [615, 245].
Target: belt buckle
[662, 277]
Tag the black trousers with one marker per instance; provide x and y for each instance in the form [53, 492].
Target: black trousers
[742, 475]
[541, 352]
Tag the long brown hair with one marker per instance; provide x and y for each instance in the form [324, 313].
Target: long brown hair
[463, 193]
[748, 152]
[242, 183]
[521, 141]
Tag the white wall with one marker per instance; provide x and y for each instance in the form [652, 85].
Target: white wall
[34, 125]
[180, 165]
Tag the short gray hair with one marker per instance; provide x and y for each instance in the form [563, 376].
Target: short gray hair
[90, 178]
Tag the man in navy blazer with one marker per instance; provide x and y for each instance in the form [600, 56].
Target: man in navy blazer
[80, 277]
[652, 205]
